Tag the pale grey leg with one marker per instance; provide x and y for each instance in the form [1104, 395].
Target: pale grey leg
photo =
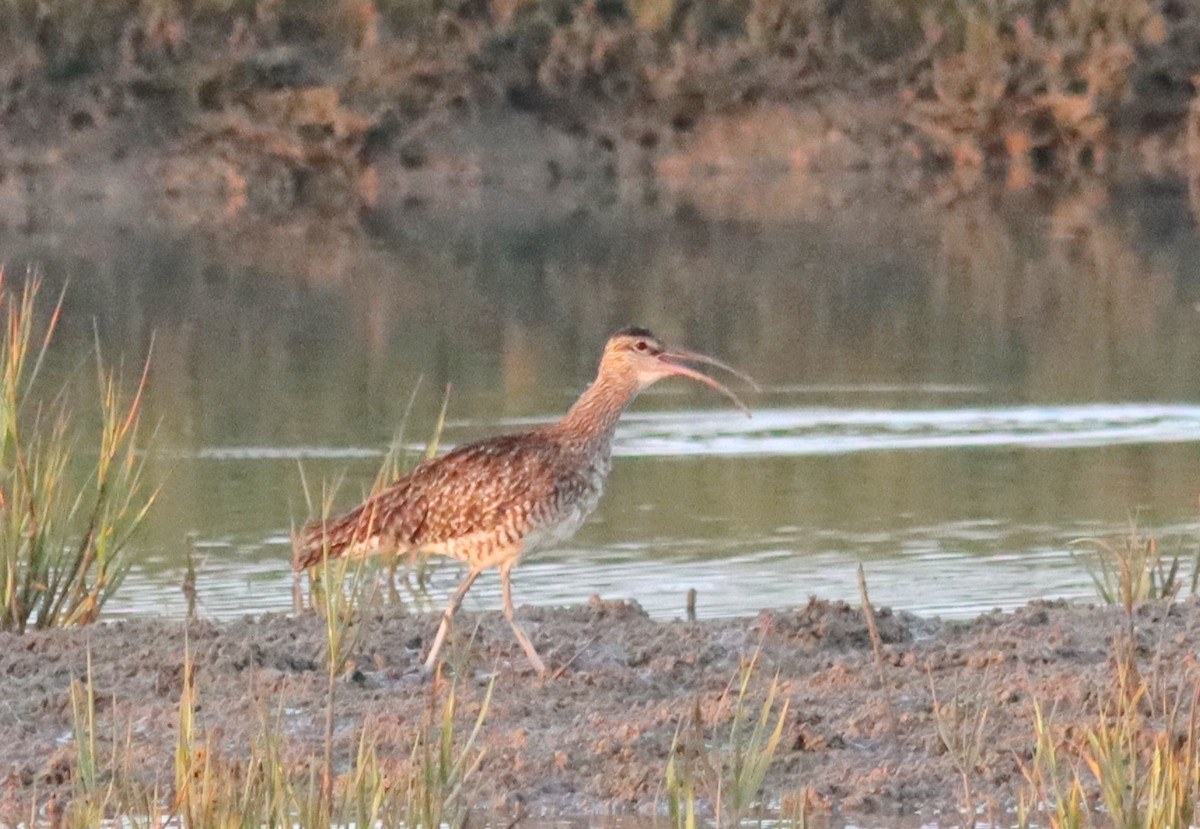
[451, 609]
[510, 614]
[297, 593]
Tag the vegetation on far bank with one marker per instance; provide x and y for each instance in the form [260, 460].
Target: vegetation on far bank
[306, 95]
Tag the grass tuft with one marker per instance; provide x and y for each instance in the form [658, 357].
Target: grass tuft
[441, 767]
[1133, 569]
[269, 783]
[63, 541]
[1054, 794]
[728, 767]
[960, 725]
[1141, 754]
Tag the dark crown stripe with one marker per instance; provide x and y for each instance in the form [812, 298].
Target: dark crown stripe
[634, 331]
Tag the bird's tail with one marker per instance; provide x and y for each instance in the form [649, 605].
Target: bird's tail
[353, 534]
[309, 546]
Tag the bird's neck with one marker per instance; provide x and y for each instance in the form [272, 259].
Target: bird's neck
[595, 414]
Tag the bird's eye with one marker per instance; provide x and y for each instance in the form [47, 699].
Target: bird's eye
[641, 345]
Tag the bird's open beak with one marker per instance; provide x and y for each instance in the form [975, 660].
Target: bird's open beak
[673, 360]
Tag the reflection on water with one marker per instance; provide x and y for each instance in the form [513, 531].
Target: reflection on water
[951, 397]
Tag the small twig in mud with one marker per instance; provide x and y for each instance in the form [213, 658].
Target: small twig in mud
[691, 604]
[876, 645]
[558, 674]
[189, 578]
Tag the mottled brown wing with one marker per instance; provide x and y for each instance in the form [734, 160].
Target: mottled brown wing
[493, 485]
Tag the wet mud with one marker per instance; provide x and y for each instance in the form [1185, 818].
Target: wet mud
[861, 734]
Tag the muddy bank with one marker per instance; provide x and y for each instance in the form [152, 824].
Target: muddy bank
[597, 738]
[208, 113]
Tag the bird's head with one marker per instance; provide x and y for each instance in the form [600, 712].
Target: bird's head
[639, 355]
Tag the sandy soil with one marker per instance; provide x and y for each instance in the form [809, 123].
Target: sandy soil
[596, 739]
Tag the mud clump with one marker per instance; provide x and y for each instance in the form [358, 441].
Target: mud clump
[837, 625]
[859, 736]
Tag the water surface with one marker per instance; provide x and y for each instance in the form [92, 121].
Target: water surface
[952, 398]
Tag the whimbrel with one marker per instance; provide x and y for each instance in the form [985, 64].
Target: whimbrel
[491, 502]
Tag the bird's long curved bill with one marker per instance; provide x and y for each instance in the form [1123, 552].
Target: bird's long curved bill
[674, 358]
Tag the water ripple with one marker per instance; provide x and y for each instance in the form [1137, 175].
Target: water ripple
[832, 431]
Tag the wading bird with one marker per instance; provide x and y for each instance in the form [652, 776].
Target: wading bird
[490, 502]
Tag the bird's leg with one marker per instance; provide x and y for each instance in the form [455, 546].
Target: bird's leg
[510, 614]
[448, 615]
[297, 593]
